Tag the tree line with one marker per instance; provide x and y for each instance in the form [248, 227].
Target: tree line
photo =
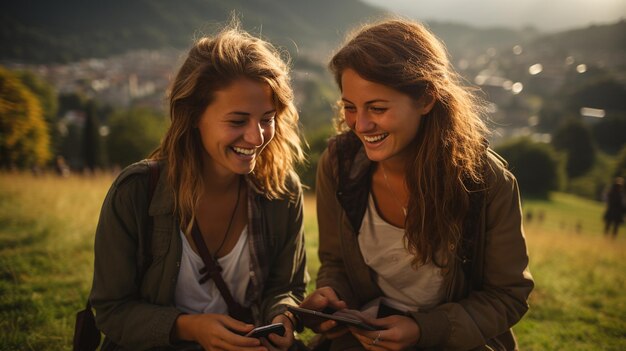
[39, 127]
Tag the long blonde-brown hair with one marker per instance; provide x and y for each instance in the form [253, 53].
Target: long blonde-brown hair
[212, 64]
[449, 146]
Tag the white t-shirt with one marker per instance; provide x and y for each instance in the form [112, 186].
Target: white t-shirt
[382, 247]
[191, 297]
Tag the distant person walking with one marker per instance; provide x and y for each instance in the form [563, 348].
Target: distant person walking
[615, 207]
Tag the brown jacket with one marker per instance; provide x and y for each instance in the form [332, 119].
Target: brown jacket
[136, 311]
[471, 317]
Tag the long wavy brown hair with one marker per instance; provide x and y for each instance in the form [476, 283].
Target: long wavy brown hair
[449, 147]
[212, 64]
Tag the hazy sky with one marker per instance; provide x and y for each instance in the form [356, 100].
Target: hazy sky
[545, 15]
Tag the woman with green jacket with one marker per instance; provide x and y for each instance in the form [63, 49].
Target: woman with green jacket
[420, 223]
[226, 187]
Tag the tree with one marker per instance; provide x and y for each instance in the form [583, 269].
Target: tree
[91, 138]
[317, 142]
[535, 165]
[574, 138]
[69, 102]
[24, 138]
[603, 92]
[48, 99]
[610, 133]
[133, 135]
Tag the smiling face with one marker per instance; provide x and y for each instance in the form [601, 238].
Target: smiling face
[236, 127]
[385, 119]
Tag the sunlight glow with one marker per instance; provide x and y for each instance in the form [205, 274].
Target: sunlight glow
[535, 69]
[592, 112]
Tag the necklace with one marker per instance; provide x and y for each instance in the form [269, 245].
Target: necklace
[230, 222]
[395, 197]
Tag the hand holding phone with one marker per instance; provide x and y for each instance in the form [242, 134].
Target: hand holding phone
[311, 317]
[264, 331]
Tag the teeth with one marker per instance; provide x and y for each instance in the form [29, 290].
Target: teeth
[243, 151]
[373, 139]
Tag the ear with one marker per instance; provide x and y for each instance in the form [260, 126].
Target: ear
[426, 103]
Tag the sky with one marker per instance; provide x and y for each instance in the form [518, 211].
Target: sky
[545, 15]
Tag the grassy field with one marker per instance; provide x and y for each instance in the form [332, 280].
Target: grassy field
[46, 237]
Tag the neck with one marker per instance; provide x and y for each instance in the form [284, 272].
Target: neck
[224, 183]
[394, 167]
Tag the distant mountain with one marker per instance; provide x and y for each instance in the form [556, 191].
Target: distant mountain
[43, 31]
[547, 16]
[465, 41]
[593, 39]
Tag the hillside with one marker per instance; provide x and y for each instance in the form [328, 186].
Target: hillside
[596, 38]
[40, 31]
[465, 41]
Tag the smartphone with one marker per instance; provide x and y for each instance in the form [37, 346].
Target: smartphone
[264, 331]
[310, 317]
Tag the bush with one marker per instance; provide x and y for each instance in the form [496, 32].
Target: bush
[537, 167]
[620, 167]
[574, 138]
[592, 184]
[133, 135]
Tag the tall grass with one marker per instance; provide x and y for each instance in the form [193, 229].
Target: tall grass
[46, 256]
[46, 240]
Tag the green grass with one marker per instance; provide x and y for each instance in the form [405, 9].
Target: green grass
[46, 238]
[579, 301]
[46, 258]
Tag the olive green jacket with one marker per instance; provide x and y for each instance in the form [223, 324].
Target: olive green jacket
[136, 311]
[469, 318]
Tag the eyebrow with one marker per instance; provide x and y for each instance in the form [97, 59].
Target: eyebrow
[245, 114]
[367, 102]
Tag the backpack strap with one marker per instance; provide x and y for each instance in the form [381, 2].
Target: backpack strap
[214, 271]
[471, 243]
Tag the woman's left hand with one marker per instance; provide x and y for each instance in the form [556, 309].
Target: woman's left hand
[398, 333]
[280, 342]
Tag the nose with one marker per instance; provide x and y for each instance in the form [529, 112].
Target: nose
[254, 134]
[363, 123]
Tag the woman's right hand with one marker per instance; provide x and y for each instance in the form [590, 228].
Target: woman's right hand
[216, 332]
[320, 299]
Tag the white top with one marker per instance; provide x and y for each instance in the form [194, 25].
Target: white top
[383, 248]
[191, 297]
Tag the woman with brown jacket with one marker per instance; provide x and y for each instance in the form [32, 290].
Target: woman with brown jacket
[420, 222]
[217, 245]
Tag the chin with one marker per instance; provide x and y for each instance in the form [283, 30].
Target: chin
[375, 156]
[245, 170]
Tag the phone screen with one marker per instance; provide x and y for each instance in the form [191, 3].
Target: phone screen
[311, 317]
[264, 331]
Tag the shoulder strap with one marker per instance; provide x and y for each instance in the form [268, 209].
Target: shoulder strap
[214, 271]
[353, 182]
[471, 252]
